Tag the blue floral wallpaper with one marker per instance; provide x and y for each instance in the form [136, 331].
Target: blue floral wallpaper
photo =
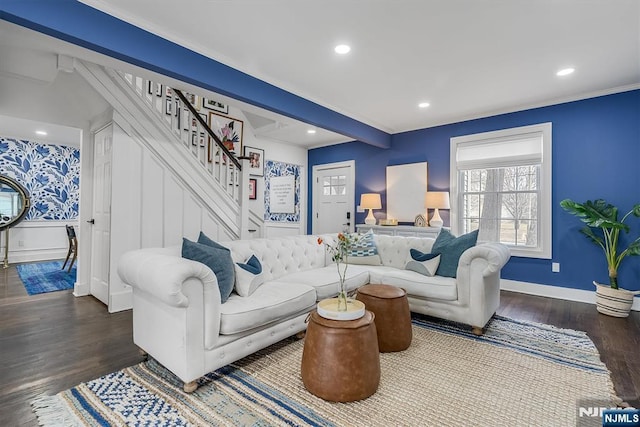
[50, 173]
[271, 169]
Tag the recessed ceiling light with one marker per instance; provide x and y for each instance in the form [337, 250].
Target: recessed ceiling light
[565, 72]
[423, 105]
[342, 49]
[311, 131]
[41, 132]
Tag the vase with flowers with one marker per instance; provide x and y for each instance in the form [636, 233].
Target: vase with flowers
[340, 256]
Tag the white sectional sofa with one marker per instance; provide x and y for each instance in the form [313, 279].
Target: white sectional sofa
[178, 317]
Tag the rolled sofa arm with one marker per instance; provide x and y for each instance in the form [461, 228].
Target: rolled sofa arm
[496, 255]
[162, 275]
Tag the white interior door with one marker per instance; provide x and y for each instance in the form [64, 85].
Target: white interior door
[101, 228]
[333, 195]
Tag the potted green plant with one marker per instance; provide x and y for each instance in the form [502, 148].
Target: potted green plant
[603, 228]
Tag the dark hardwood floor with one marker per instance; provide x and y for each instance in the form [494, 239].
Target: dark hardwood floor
[51, 342]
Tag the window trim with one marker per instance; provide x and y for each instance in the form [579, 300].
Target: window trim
[545, 216]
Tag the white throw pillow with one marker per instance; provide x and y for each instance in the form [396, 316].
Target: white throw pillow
[248, 276]
[426, 264]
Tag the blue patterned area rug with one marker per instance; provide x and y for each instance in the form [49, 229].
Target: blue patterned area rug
[517, 374]
[41, 277]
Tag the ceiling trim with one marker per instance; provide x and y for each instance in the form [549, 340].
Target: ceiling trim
[529, 106]
[82, 25]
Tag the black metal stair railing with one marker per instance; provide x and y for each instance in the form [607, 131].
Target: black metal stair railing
[177, 115]
[205, 126]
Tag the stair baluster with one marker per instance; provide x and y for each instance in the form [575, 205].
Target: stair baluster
[180, 116]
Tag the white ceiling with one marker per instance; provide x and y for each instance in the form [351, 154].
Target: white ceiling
[35, 94]
[468, 58]
[13, 127]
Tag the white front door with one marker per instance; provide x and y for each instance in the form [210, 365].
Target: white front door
[101, 228]
[333, 197]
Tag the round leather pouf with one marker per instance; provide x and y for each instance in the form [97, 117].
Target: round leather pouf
[340, 359]
[393, 318]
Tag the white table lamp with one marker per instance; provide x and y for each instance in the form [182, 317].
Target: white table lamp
[436, 200]
[370, 201]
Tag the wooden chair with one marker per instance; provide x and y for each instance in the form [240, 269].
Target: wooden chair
[73, 247]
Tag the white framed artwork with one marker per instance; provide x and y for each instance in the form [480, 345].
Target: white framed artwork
[406, 187]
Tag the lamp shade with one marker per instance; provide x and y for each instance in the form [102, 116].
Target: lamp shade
[370, 201]
[436, 199]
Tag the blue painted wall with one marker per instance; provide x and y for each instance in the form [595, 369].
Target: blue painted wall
[596, 154]
[585, 132]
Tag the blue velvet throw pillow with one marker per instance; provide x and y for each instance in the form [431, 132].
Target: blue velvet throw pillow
[451, 248]
[217, 258]
[416, 255]
[253, 265]
[203, 239]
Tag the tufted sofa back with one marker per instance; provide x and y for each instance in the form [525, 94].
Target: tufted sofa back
[285, 255]
[394, 250]
[280, 256]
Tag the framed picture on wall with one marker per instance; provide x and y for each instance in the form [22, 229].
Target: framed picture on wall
[198, 140]
[214, 105]
[194, 120]
[253, 190]
[210, 150]
[256, 160]
[229, 130]
[185, 119]
[194, 100]
[154, 88]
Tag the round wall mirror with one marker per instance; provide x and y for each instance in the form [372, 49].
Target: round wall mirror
[14, 202]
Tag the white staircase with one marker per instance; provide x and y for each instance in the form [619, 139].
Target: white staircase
[158, 119]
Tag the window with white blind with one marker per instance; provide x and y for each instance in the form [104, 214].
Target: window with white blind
[501, 186]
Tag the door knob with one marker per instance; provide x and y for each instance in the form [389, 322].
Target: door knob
[92, 221]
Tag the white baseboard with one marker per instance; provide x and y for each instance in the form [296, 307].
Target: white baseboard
[81, 289]
[100, 291]
[121, 301]
[36, 255]
[557, 292]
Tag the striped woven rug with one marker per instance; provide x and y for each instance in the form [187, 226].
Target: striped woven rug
[517, 374]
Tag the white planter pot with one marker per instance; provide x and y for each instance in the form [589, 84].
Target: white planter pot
[614, 302]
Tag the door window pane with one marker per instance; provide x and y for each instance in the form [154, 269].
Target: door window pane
[334, 185]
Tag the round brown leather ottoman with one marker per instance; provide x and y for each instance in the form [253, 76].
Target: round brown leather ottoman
[340, 359]
[393, 318]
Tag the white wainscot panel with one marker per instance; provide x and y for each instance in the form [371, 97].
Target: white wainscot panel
[152, 202]
[280, 230]
[210, 226]
[192, 215]
[32, 241]
[173, 199]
